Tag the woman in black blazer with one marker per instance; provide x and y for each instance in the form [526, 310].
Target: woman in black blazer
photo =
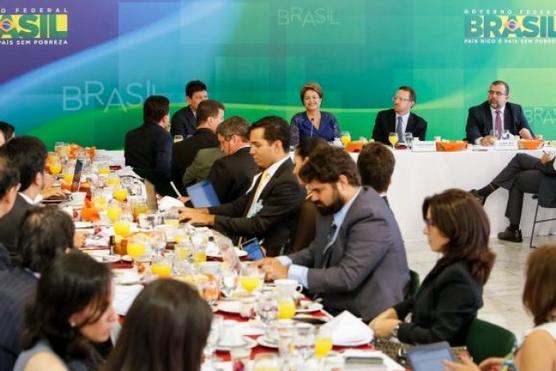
[447, 302]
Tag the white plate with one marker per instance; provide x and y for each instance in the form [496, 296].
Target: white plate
[247, 342]
[353, 343]
[229, 306]
[252, 328]
[83, 225]
[240, 253]
[106, 258]
[312, 307]
[265, 342]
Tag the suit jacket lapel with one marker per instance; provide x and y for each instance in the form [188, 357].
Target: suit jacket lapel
[488, 117]
[391, 124]
[252, 194]
[410, 124]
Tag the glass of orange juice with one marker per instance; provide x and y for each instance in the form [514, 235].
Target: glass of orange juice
[55, 166]
[250, 278]
[120, 193]
[393, 138]
[345, 138]
[68, 175]
[103, 169]
[286, 308]
[323, 342]
[113, 180]
[114, 211]
[122, 228]
[161, 267]
[136, 248]
[199, 254]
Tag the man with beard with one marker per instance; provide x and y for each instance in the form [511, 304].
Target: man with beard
[487, 121]
[357, 261]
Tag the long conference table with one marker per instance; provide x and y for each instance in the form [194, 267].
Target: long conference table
[421, 174]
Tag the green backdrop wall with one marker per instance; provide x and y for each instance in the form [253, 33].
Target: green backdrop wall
[80, 72]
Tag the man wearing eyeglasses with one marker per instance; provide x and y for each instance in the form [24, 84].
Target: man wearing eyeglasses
[400, 119]
[490, 119]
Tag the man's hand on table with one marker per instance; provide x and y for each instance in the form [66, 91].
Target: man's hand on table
[383, 327]
[79, 239]
[51, 191]
[196, 216]
[273, 269]
[487, 140]
[525, 134]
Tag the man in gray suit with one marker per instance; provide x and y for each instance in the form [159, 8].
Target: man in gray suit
[357, 261]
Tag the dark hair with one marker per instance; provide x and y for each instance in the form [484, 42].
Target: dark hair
[194, 86]
[7, 130]
[28, 155]
[500, 82]
[315, 86]
[155, 108]
[275, 128]
[234, 125]
[70, 284]
[9, 177]
[44, 234]
[309, 145]
[376, 165]
[459, 216]
[208, 108]
[166, 328]
[539, 293]
[411, 91]
[327, 164]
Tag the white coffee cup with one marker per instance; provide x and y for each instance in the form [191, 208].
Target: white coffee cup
[78, 198]
[287, 287]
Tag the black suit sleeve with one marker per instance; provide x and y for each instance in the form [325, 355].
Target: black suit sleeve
[378, 131]
[220, 179]
[472, 128]
[456, 302]
[277, 205]
[163, 156]
[520, 120]
[178, 125]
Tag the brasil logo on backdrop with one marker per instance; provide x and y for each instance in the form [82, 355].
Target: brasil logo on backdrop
[34, 26]
[507, 26]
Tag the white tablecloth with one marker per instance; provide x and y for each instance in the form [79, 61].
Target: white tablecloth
[418, 175]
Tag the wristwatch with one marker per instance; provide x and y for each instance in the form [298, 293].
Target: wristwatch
[396, 329]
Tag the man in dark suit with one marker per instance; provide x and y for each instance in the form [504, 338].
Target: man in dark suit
[376, 165]
[357, 261]
[232, 175]
[45, 233]
[148, 148]
[400, 119]
[9, 185]
[268, 211]
[28, 156]
[184, 121]
[523, 174]
[487, 121]
[210, 114]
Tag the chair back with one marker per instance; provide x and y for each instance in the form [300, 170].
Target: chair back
[485, 339]
[413, 284]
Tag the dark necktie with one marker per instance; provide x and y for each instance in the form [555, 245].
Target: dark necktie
[399, 130]
[329, 240]
[498, 125]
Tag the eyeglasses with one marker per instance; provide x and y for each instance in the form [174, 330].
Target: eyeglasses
[401, 99]
[497, 93]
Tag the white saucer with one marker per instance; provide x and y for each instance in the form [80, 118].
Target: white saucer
[247, 343]
[312, 307]
[230, 306]
[240, 253]
[353, 343]
[265, 342]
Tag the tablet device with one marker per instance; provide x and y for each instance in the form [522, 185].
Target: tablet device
[253, 249]
[202, 194]
[429, 357]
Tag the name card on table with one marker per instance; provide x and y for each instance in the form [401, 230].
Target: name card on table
[505, 145]
[424, 146]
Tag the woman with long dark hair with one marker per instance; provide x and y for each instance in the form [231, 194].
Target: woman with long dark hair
[457, 227]
[165, 329]
[71, 311]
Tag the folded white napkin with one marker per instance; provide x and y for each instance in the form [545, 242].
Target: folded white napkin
[347, 329]
[124, 297]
